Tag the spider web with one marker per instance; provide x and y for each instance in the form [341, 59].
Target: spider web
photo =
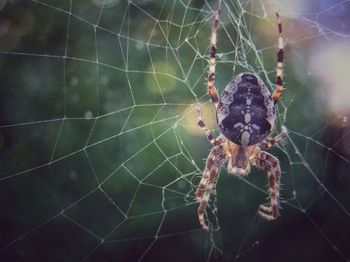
[100, 152]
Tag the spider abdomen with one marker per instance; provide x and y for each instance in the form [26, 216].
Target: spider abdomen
[246, 112]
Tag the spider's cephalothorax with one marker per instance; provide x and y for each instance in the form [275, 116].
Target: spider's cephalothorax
[245, 116]
[246, 111]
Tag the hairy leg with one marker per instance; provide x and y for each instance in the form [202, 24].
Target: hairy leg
[211, 82]
[269, 142]
[212, 60]
[211, 171]
[270, 164]
[280, 59]
[212, 140]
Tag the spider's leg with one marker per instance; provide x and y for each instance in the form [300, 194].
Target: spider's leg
[214, 141]
[211, 76]
[211, 82]
[215, 159]
[269, 163]
[280, 58]
[269, 142]
[213, 164]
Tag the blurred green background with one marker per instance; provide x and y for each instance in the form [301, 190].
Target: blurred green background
[100, 154]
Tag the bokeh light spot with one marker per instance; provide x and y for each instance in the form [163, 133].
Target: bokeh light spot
[162, 80]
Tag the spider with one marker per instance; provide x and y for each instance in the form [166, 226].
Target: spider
[245, 116]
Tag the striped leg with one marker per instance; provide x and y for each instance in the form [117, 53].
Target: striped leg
[214, 162]
[269, 142]
[202, 125]
[211, 83]
[280, 57]
[211, 76]
[269, 163]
